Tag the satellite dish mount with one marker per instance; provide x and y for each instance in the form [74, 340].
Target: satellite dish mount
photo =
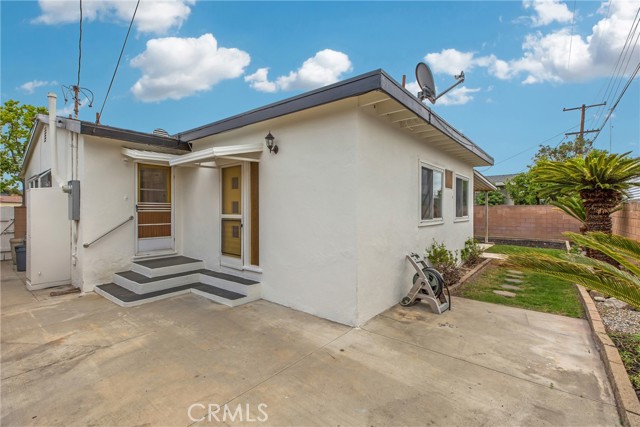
[427, 85]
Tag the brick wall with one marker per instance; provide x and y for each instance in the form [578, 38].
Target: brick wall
[523, 222]
[626, 222]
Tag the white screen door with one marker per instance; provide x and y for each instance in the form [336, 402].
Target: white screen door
[154, 209]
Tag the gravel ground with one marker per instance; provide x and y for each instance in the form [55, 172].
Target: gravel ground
[619, 319]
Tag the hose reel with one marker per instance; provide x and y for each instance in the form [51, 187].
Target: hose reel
[428, 284]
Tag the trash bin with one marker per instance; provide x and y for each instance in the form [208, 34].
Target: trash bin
[15, 242]
[21, 257]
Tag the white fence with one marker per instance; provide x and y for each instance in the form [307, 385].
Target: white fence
[6, 228]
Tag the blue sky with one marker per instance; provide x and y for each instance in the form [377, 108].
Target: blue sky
[188, 63]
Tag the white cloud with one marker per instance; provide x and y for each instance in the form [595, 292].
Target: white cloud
[156, 17]
[325, 67]
[451, 61]
[31, 86]
[556, 56]
[458, 96]
[173, 67]
[260, 81]
[413, 87]
[548, 11]
[67, 110]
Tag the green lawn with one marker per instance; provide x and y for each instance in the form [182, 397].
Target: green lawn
[538, 292]
[512, 249]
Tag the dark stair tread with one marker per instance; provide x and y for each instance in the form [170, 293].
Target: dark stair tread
[141, 278]
[167, 262]
[229, 277]
[126, 295]
[218, 291]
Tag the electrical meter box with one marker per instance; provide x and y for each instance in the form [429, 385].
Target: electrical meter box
[74, 200]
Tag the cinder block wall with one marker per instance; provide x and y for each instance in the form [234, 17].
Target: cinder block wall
[626, 222]
[541, 222]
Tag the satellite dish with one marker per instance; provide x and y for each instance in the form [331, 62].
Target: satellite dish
[426, 83]
[424, 78]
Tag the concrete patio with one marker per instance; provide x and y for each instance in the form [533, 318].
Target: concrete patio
[81, 360]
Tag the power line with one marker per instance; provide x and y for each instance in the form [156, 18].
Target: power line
[633, 76]
[99, 115]
[629, 51]
[597, 49]
[80, 48]
[573, 20]
[532, 147]
[76, 90]
[617, 72]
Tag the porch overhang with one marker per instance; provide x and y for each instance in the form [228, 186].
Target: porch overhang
[481, 183]
[231, 152]
[148, 156]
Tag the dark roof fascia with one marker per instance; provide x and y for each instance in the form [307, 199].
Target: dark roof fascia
[359, 85]
[345, 89]
[403, 96]
[92, 129]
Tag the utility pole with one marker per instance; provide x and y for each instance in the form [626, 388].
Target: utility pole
[583, 109]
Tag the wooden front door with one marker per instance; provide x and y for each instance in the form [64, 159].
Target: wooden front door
[154, 223]
[231, 218]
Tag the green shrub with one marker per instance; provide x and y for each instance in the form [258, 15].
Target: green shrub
[445, 261]
[470, 254]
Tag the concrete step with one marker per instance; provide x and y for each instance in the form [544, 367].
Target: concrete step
[166, 266]
[250, 288]
[141, 284]
[126, 298]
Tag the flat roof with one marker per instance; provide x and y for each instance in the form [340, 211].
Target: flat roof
[102, 131]
[377, 80]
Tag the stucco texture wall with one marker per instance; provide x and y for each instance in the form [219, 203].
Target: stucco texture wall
[197, 205]
[107, 188]
[307, 209]
[540, 222]
[388, 222]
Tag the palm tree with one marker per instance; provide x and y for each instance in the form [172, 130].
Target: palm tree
[572, 206]
[621, 283]
[601, 179]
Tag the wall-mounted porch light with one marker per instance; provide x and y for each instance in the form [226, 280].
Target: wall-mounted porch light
[273, 148]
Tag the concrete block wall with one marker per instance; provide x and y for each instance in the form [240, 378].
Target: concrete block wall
[626, 222]
[540, 222]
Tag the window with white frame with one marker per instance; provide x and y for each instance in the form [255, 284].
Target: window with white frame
[32, 182]
[45, 179]
[462, 197]
[431, 189]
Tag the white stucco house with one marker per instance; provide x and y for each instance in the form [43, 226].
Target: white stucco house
[364, 173]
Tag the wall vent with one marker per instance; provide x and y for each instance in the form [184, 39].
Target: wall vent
[448, 178]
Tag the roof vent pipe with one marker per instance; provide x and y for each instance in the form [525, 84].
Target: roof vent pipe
[160, 132]
[53, 137]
